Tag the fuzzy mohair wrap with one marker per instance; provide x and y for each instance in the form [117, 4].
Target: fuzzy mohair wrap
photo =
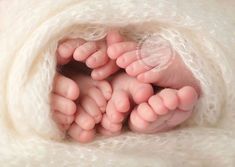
[202, 32]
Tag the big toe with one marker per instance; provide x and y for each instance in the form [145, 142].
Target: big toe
[140, 92]
[188, 97]
[109, 125]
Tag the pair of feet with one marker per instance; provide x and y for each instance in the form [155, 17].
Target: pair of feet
[104, 106]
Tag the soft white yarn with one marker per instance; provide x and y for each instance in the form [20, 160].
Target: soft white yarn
[201, 31]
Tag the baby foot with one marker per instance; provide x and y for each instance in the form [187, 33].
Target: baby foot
[163, 111]
[65, 91]
[126, 91]
[127, 56]
[92, 53]
[92, 103]
[144, 68]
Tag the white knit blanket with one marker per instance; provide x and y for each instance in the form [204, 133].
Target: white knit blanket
[203, 32]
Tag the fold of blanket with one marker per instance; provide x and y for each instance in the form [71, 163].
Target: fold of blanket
[202, 32]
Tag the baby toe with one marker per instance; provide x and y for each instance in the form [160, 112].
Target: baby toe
[146, 112]
[66, 49]
[80, 135]
[140, 92]
[126, 59]
[66, 87]
[112, 113]
[97, 59]
[91, 108]
[105, 88]
[116, 50]
[109, 125]
[105, 71]
[188, 97]
[121, 101]
[62, 118]
[63, 105]
[169, 98]
[84, 120]
[136, 122]
[157, 105]
[85, 51]
[137, 67]
[98, 97]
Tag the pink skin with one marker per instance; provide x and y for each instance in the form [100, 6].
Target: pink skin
[63, 104]
[94, 55]
[127, 92]
[90, 107]
[175, 104]
[79, 119]
[65, 92]
[171, 105]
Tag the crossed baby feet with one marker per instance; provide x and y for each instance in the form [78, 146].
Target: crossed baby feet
[87, 102]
